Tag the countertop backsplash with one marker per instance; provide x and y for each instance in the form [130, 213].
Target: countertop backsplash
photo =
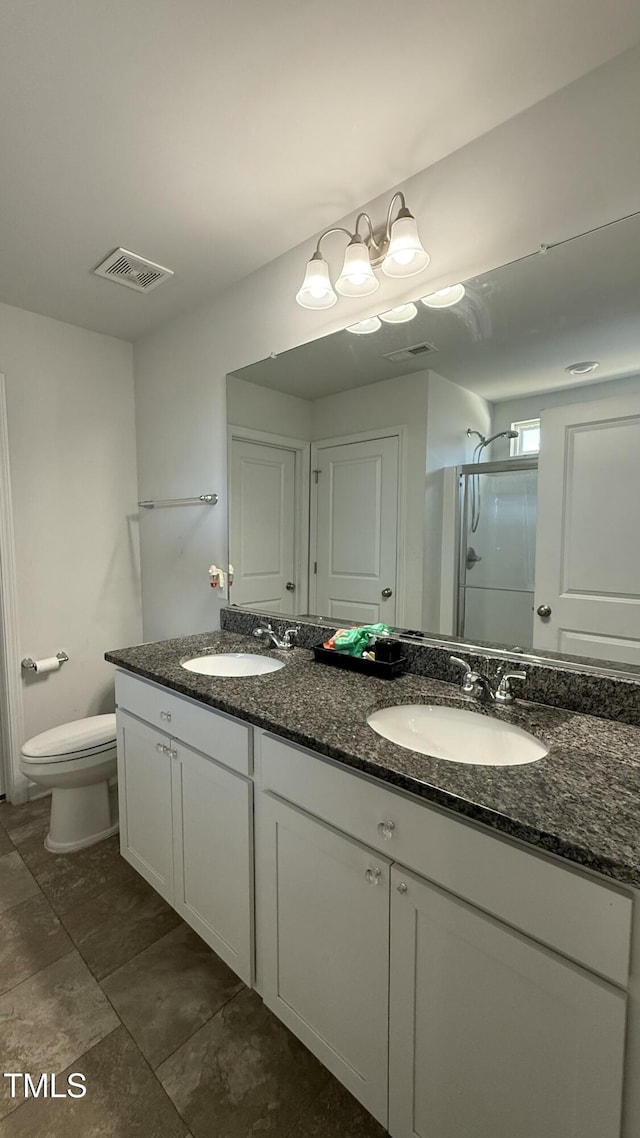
[610, 697]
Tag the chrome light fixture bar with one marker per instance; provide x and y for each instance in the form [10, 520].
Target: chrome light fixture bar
[396, 249]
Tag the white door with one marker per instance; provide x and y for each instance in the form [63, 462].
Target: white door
[324, 946]
[262, 540]
[356, 545]
[144, 792]
[212, 820]
[491, 1035]
[588, 533]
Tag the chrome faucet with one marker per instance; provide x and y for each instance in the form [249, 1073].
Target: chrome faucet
[273, 640]
[480, 687]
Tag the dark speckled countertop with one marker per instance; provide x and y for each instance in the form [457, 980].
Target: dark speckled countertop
[581, 802]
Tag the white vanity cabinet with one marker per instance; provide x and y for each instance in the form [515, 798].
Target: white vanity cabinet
[186, 818]
[491, 1034]
[324, 904]
[506, 975]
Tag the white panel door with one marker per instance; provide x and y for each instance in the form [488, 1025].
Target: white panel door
[491, 1035]
[588, 537]
[262, 525]
[324, 945]
[212, 820]
[357, 530]
[144, 786]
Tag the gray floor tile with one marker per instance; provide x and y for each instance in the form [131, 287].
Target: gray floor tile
[16, 883]
[51, 1019]
[115, 926]
[28, 839]
[6, 845]
[168, 991]
[123, 1100]
[242, 1074]
[75, 879]
[336, 1114]
[13, 816]
[31, 937]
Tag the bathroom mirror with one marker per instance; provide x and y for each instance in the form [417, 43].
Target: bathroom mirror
[471, 472]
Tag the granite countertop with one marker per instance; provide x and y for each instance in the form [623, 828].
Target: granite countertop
[581, 802]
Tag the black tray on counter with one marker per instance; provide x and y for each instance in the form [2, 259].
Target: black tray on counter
[381, 669]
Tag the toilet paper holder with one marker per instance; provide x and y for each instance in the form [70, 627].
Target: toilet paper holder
[30, 663]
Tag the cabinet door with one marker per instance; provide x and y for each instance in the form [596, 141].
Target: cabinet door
[491, 1035]
[212, 818]
[144, 792]
[324, 945]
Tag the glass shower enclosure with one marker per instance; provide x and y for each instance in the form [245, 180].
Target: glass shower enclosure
[497, 547]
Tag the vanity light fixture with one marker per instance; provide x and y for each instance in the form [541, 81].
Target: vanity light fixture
[401, 314]
[582, 368]
[396, 249]
[444, 297]
[364, 327]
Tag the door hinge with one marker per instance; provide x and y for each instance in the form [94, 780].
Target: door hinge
[316, 475]
[315, 566]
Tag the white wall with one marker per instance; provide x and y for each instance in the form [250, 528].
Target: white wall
[451, 410]
[492, 201]
[516, 410]
[70, 410]
[249, 405]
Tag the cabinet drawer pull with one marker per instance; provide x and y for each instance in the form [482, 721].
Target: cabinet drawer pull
[172, 753]
[162, 748]
[385, 829]
[402, 887]
[165, 716]
[373, 875]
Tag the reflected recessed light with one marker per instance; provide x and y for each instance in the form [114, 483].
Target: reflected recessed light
[444, 297]
[364, 327]
[400, 314]
[582, 368]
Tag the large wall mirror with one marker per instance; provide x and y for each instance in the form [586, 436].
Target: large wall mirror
[469, 468]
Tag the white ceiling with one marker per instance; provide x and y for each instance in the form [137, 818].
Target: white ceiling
[214, 135]
[513, 333]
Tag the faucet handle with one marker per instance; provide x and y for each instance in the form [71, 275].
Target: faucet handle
[290, 635]
[503, 693]
[470, 678]
[263, 631]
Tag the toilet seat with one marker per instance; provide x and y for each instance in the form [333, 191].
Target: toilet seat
[79, 739]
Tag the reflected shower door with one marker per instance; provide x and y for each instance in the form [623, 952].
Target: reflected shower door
[497, 556]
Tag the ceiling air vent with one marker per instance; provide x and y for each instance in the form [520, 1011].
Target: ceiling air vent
[129, 269]
[411, 353]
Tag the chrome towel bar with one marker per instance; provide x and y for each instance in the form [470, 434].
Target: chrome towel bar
[200, 500]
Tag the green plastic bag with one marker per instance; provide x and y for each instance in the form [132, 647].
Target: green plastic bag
[354, 641]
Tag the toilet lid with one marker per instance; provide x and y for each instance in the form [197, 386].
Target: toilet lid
[94, 733]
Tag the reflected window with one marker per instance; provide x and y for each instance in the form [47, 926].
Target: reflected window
[528, 440]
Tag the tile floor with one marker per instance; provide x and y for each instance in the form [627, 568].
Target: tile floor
[99, 975]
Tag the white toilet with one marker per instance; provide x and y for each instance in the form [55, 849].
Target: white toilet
[75, 761]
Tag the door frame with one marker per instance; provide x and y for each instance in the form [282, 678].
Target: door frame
[302, 478]
[11, 705]
[399, 433]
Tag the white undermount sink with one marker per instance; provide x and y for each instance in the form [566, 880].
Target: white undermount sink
[457, 735]
[233, 664]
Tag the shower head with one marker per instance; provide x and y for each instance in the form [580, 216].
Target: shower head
[500, 435]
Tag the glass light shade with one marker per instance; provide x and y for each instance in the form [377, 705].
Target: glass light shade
[316, 290]
[444, 297]
[357, 277]
[401, 314]
[364, 327]
[405, 256]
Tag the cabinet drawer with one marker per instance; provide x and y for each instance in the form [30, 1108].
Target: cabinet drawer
[200, 727]
[563, 908]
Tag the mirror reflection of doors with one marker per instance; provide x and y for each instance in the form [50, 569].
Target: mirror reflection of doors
[355, 518]
[509, 513]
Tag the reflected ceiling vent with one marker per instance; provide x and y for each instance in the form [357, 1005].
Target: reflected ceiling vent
[411, 353]
[132, 271]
